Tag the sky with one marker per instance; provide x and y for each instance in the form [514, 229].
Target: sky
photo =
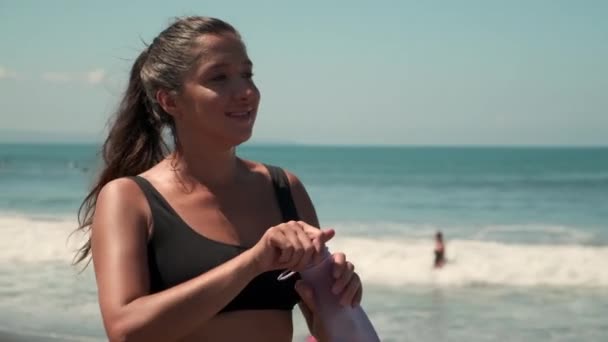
[530, 72]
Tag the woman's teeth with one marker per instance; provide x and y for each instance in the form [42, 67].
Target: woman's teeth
[238, 114]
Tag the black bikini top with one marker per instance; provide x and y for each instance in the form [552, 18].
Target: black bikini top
[176, 253]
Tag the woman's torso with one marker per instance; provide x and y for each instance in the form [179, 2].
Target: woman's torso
[226, 219]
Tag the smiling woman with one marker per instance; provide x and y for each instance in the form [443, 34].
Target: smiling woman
[187, 244]
[220, 86]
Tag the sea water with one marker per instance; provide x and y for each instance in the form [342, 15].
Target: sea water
[526, 233]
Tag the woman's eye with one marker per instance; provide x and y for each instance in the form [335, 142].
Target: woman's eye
[248, 74]
[219, 77]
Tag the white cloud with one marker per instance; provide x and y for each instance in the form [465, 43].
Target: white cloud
[95, 76]
[7, 74]
[92, 77]
[59, 77]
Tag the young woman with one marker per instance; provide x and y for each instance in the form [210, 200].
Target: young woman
[187, 243]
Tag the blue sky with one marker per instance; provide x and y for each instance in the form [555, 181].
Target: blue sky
[350, 72]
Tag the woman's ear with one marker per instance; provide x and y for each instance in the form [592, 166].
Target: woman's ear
[166, 100]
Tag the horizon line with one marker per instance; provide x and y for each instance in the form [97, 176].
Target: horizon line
[330, 145]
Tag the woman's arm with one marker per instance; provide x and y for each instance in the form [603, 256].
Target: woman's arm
[347, 284]
[119, 247]
[308, 214]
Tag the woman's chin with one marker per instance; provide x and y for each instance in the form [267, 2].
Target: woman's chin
[237, 140]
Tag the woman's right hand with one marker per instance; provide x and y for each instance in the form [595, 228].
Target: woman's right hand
[292, 245]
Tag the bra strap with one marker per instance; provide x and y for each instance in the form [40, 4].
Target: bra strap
[283, 193]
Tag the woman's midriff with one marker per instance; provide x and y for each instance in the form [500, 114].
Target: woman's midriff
[246, 325]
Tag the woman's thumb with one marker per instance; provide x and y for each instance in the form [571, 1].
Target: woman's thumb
[307, 295]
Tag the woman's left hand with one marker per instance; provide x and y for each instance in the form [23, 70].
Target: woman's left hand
[347, 286]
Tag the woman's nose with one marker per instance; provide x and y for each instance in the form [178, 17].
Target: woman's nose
[245, 90]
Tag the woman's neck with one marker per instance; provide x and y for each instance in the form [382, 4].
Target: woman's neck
[210, 167]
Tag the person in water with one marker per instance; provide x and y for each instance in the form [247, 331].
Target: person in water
[439, 250]
[187, 241]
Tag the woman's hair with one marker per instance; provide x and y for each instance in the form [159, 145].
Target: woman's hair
[135, 141]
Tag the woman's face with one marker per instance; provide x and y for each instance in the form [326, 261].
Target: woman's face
[219, 100]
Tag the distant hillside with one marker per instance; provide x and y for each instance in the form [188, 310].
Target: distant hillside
[17, 136]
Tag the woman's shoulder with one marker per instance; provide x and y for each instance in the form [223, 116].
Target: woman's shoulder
[299, 194]
[263, 169]
[123, 192]
[121, 203]
[123, 187]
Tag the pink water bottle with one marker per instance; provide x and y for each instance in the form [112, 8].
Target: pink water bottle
[343, 323]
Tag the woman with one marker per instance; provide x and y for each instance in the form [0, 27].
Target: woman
[187, 244]
[439, 250]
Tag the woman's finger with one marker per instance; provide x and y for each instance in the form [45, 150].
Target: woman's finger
[290, 229]
[316, 233]
[345, 277]
[339, 265]
[319, 237]
[349, 293]
[279, 241]
[358, 295]
[308, 250]
[307, 294]
[326, 235]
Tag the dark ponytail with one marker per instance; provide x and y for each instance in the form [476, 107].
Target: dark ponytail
[135, 141]
[134, 144]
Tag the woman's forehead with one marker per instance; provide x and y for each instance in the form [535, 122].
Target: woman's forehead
[214, 47]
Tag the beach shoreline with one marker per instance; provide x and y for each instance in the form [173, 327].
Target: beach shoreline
[13, 336]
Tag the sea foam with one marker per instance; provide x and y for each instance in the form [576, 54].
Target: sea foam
[393, 261]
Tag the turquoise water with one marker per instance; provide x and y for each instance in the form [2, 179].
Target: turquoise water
[526, 229]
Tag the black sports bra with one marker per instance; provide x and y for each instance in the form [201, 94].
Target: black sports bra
[176, 253]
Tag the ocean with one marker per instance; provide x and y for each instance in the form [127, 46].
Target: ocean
[526, 234]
